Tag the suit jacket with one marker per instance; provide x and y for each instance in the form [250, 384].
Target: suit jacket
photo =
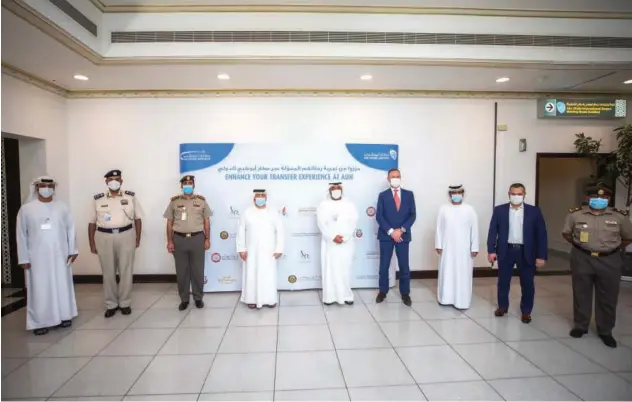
[534, 235]
[388, 217]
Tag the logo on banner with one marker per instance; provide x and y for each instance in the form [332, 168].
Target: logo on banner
[365, 277]
[372, 255]
[306, 234]
[223, 235]
[393, 154]
[307, 211]
[226, 280]
[310, 278]
[205, 280]
[216, 257]
[195, 156]
[304, 256]
[283, 211]
[370, 211]
[359, 233]
[291, 279]
[234, 213]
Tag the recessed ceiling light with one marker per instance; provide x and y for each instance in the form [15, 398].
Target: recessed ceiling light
[366, 77]
[80, 77]
[223, 76]
[502, 79]
[627, 82]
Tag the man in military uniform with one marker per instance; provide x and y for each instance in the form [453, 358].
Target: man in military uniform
[188, 236]
[599, 235]
[113, 216]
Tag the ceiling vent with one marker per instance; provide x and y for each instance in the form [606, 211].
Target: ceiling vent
[395, 38]
[76, 15]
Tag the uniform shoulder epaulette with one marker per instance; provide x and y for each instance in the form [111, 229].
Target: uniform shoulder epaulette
[100, 195]
[621, 211]
[130, 193]
[574, 209]
[175, 197]
[200, 197]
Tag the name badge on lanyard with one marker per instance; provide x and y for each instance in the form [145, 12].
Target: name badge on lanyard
[46, 225]
[183, 217]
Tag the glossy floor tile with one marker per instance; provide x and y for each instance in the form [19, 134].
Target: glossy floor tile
[303, 350]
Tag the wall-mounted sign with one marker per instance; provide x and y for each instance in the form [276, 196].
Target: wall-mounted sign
[584, 108]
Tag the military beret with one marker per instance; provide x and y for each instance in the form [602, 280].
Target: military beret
[112, 173]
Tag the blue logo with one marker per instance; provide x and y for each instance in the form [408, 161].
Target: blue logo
[375, 156]
[393, 154]
[201, 156]
[561, 107]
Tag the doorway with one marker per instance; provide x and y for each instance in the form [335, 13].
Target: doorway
[561, 183]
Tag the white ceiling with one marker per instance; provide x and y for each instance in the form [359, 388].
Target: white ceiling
[27, 48]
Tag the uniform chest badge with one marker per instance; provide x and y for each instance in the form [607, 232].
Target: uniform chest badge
[582, 225]
[124, 202]
[104, 206]
[179, 206]
[197, 205]
[612, 223]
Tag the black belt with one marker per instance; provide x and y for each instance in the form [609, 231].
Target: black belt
[597, 254]
[188, 234]
[515, 245]
[116, 230]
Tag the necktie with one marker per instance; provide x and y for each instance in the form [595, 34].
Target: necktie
[396, 197]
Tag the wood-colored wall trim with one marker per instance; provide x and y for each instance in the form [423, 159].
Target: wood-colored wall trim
[34, 80]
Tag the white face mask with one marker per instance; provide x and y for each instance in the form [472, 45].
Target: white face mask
[516, 199]
[336, 194]
[114, 185]
[396, 182]
[46, 192]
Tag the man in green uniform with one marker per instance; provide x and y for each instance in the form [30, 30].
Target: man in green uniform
[599, 235]
[188, 237]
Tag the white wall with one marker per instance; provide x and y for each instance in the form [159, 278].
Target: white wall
[28, 111]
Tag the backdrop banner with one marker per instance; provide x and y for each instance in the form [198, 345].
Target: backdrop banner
[296, 177]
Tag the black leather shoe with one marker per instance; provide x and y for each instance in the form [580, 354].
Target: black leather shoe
[126, 310]
[380, 297]
[349, 302]
[183, 306]
[328, 304]
[65, 324]
[199, 303]
[608, 340]
[109, 312]
[406, 300]
[577, 333]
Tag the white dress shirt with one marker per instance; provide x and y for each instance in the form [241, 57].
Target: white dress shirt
[516, 219]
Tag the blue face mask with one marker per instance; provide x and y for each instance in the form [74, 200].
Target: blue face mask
[260, 202]
[598, 203]
[456, 197]
[188, 189]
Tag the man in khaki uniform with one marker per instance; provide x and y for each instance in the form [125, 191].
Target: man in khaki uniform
[599, 235]
[113, 216]
[188, 237]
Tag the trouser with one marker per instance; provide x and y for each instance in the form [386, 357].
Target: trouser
[526, 271]
[189, 255]
[116, 255]
[604, 274]
[386, 254]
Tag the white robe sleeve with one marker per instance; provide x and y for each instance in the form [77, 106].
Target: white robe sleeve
[322, 215]
[241, 234]
[349, 223]
[439, 231]
[280, 234]
[70, 232]
[24, 256]
[474, 232]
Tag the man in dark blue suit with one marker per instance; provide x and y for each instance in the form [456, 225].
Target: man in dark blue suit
[395, 215]
[517, 236]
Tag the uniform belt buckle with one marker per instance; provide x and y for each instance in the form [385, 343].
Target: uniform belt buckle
[115, 230]
[187, 235]
[594, 254]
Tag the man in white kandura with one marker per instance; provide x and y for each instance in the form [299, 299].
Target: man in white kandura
[456, 242]
[337, 219]
[260, 244]
[46, 249]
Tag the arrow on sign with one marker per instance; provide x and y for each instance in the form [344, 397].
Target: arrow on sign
[549, 107]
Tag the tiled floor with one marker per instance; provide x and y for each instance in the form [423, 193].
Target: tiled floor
[304, 351]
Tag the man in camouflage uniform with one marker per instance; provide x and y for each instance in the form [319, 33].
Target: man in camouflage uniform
[599, 235]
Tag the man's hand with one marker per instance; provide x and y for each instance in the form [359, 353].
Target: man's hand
[397, 235]
[71, 258]
[474, 254]
[491, 257]
[170, 247]
[539, 263]
[243, 255]
[277, 255]
[26, 266]
[338, 239]
[207, 244]
[137, 242]
[93, 248]
[439, 251]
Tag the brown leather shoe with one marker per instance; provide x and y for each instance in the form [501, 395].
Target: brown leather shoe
[526, 318]
[500, 312]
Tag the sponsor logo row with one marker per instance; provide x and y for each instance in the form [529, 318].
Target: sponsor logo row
[234, 212]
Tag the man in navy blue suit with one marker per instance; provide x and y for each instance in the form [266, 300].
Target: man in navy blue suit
[395, 215]
[517, 236]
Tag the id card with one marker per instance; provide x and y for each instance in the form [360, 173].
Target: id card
[183, 216]
[583, 237]
[46, 225]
